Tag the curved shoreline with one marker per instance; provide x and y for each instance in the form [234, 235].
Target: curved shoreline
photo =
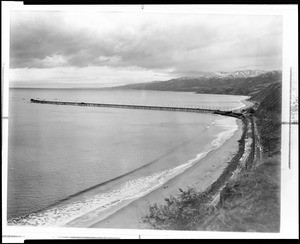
[129, 217]
[201, 176]
[90, 218]
[97, 215]
[213, 171]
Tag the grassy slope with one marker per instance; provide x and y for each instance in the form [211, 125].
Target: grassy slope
[269, 118]
[251, 202]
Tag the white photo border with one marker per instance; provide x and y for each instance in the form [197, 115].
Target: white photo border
[289, 177]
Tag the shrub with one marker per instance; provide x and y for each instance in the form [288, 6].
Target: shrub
[184, 212]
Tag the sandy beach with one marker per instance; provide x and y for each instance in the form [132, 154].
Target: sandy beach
[200, 176]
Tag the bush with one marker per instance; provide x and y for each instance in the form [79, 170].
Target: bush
[184, 212]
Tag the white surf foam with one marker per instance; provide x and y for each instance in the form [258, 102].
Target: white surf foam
[134, 189]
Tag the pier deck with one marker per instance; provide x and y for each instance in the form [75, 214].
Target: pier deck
[145, 107]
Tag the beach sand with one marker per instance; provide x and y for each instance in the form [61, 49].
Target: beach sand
[199, 176]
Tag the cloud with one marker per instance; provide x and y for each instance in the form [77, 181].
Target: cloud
[90, 76]
[177, 42]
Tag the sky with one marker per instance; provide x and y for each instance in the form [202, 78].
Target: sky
[100, 49]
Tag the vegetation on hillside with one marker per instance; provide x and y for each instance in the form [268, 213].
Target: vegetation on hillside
[251, 202]
[268, 116]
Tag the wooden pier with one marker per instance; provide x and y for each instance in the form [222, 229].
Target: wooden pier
[145, 107]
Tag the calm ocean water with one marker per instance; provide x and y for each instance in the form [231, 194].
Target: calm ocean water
[65, 161]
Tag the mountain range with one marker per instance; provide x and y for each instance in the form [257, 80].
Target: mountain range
[241, 82]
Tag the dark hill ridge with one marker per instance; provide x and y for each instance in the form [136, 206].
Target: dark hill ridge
[235, 83]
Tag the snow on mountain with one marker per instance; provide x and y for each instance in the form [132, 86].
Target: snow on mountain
[227, 75]
[245, 73]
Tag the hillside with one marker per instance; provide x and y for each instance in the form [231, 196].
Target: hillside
[274, 89]
[252, 201]
[268, 114]
[234, 83]
[248, 203]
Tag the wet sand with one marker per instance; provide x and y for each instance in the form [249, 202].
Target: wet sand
[200, 176]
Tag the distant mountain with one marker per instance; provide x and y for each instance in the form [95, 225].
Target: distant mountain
[227, 75]
[242, 82]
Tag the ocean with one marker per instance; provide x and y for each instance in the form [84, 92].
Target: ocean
[66, 161]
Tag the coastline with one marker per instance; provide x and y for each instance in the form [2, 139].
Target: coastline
[168, 190]
[200, 176]
[247, 103]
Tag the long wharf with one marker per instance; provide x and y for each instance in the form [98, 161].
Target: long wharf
[145, 107]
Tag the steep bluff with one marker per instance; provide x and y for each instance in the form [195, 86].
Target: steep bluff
[268, 115]
[251, 202]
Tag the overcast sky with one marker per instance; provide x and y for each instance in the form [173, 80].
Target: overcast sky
[106, 49]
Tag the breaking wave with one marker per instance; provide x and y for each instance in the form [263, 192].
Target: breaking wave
[128, 191]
